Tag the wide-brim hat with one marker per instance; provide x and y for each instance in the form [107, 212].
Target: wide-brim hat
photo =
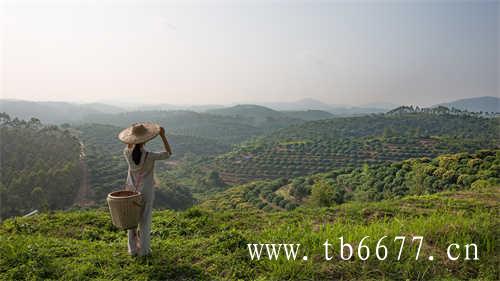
[139, 133]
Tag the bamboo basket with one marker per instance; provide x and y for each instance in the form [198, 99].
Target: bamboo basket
[126, 208]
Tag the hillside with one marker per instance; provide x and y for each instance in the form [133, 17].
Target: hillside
[339, 110]
[104, 108]
[264, 116]
[383, 181]
[40, 167]
[415, 176]
[107, 167]
[203, 245]
[309, 115]
[48, 112]
[251, 111]
[481, 104]
[319, 146]
[226, 129]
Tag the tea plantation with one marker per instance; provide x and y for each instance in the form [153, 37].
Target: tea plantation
[319, 146]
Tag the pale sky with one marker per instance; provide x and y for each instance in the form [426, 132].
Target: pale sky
[351, 52]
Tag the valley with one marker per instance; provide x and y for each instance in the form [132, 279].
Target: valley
[249, 174]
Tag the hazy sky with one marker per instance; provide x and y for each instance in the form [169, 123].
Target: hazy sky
[352, 52]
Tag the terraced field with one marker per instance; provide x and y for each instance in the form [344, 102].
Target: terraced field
[351, 142]
[370, 183]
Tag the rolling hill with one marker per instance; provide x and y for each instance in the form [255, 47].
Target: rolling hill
[257, 115]
[313, 104]
[481, 104]
[40, 167]
[432, 173]
[230, 125]
[318, 146]
[263, 116]
[309, 115]
[107, 168]
[416, 176]
[189, 123]
[48, 112]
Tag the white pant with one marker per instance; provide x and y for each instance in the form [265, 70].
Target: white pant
[139, 242]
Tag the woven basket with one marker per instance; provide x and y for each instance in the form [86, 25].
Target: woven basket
[126, 208]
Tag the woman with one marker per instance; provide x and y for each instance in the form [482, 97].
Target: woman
[140, 178]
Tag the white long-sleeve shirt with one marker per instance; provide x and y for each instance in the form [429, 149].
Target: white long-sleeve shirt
[141, 176]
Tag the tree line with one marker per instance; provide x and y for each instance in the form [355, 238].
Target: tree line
[40, 166]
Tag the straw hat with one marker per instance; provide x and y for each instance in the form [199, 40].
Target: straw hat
[139, 133]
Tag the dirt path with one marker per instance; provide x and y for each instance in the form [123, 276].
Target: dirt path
[84, 192]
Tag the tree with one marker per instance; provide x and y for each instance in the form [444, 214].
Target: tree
[213, 179]
[38, 198]
[322, 194]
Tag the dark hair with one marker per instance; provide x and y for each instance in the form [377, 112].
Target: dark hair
[137, 153]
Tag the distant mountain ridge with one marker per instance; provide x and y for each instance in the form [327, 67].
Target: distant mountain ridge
[50, 112]
[259, 115]
[310, 114]
[57, 112]
[337, 109]
[484, 104]
[256, 112]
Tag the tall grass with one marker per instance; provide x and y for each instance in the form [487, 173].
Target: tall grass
[198, 244]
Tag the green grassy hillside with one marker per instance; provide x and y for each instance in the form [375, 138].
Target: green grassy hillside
[323, 145]
[202, 245]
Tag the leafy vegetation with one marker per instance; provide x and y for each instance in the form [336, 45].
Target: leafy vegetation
[226, 129]
[227, 125]
[319, 146]
[107, 167]
[202, 245]
[416, 176]
[40, 166]
[428, 172]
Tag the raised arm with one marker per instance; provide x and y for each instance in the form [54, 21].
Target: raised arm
[165, 141]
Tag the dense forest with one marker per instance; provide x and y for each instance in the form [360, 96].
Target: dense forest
[40, 166]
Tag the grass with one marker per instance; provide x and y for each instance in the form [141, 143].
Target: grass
[200, 244]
